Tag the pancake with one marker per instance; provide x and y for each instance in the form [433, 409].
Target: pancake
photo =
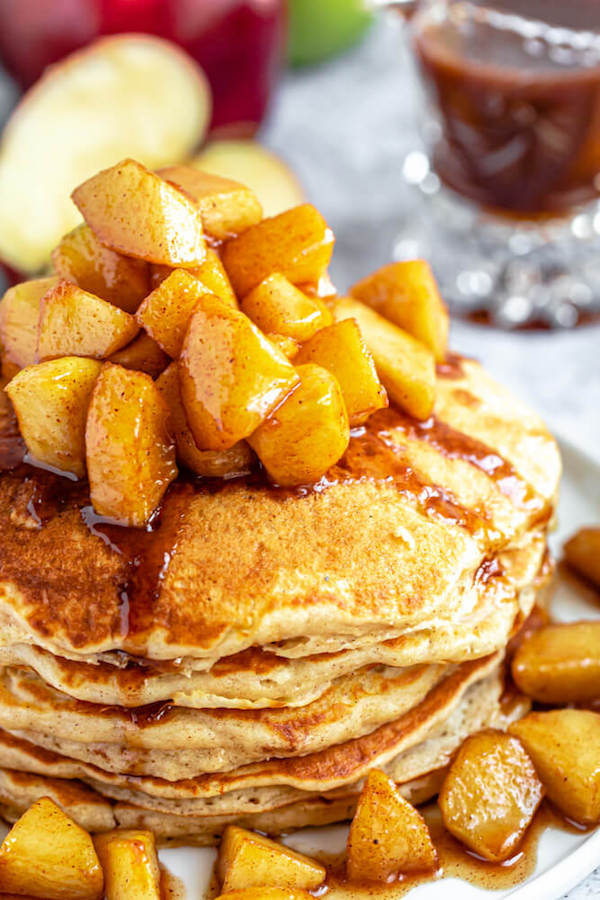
[256, 678]
[394, 539]
[256, 652]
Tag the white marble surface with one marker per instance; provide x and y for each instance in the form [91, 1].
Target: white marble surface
[345, 127]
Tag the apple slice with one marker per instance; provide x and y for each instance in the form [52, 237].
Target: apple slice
[121, 96]
[248, 162]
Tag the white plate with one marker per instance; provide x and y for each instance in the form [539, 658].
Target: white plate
[564, 859]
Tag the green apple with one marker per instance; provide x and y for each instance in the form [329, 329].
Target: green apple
[321, 28]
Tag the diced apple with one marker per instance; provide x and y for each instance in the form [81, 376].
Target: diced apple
[276, 305]
[130, 454]
[307, 433]
[142, 354]
[298, 244]
[211, 273]
[81, 258]
[130, 864]
[210, 463]
[247, 859]
[560, 664]
[490, 794]
[231, 376]
[266, 893]
[135, 212]
[227, 207]
[288, 346]
[133, 95]
[250, 163]
[166, 312]
[387, 835]
[564, 745]
[406, 293]
[582, 553]
[405, 366]
[75, 323]
[19, 315]
[47, 855]
[51, 402]
[341, 349]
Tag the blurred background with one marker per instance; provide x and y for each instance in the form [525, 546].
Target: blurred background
[468, 133]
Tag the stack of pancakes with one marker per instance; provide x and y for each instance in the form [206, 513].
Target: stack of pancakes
[256, 652]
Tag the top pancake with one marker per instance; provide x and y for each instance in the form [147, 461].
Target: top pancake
[397, 536]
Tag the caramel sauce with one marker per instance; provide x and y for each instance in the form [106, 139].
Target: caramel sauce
[171, 887]
[452, 367]
[12, 446]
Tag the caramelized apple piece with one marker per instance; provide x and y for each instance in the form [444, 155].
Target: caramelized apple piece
[276, 305]
[132, 210]
[142, 354]
[564, 745]
[166, 312]
[51, 402]
[405, 366]
[560, 664]
[211, 273]
[296, 243]
[406, 293]
[266, 893]
[130, 864]
[582, 553]
[340, 348]
[247, 859]
[19, 315]
[227, 207]
[210, 463]
[288, 346]
[307, 433]
[80, 257]
[387, 835]
[75, 323]
[130, 455]
[231, 376]
[47, 855]
[490, 794]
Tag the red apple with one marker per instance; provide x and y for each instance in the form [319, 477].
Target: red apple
[130, 95]
[238, 42]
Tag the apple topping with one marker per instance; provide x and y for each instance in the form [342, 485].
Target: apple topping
[256, 361]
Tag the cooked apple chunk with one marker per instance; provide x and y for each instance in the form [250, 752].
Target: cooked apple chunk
[564, 745]
[387, 835]
[266, 893]
[490, 794]
[406, 293]
[231, 376]
[130, 454]
[130, 864]
[247, 859]
[75, 323]
[47, 855]
[142, 354]
[340, 348]
[19, 315]
[80, 257]
[405, 366]
[288, 346]
[560, 664]
[582, 553]
[307, 433]
[166, 312]
[275, 305]
[210, 463]
[51, 402]
[133, 211]
[227, 207]
[297, 243]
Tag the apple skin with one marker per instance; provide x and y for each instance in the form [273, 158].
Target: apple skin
[239, 43]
